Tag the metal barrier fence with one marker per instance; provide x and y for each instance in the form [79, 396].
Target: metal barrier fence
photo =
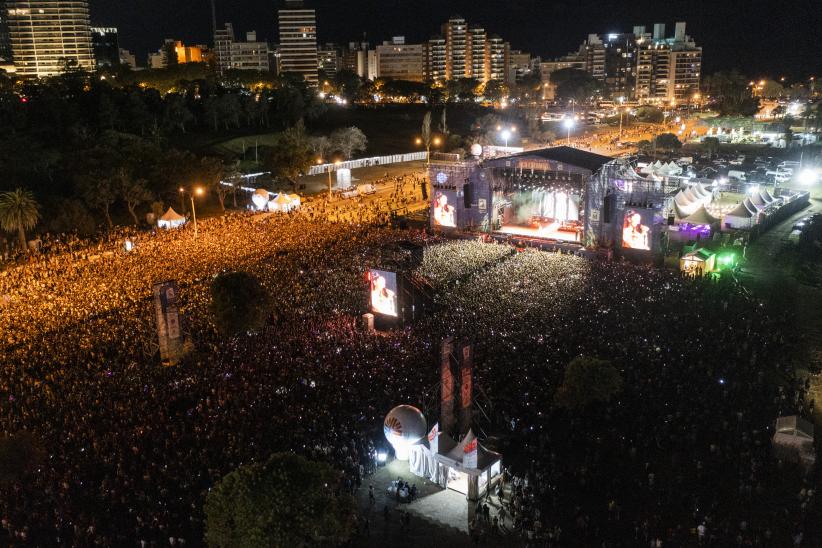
[368, 162]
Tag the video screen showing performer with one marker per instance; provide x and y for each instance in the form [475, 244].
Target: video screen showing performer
[635, 234]
[445, 214]
[383, 292]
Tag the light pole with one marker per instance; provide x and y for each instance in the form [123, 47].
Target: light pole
[506, 133]
[199, 192]
[621, 109]
[435, 141]
[568, 123]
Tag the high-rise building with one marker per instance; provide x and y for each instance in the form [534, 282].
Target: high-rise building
[48, 36]
[329, 60]
[355, 58]
[233, 54]
[648, 67]
[106, 46]
[397, 60]
[433, 60]
[464, 51]
[5, 44]
[298, 41]
[456, 48]
[667, 69]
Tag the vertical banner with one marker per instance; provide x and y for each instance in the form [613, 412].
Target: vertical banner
[447, 386]
[167, 315]
[470, 454]
[466, 386]
[434, 439]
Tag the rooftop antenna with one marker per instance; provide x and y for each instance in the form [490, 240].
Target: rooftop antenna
[213, 17]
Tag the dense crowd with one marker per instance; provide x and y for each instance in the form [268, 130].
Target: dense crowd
[132, 447]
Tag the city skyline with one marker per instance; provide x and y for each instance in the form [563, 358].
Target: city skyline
[558, 28]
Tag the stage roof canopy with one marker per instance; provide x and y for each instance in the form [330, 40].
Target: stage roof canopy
[568, 155]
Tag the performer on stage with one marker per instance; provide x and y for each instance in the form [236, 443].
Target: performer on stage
[635, 235]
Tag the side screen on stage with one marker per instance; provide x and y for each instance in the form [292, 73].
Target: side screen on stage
[444, 209]
[383, 292]
[636, 229]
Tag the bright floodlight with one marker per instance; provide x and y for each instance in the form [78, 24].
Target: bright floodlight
[506, 134]
[807, 177]
[382, 456]
[569, 123]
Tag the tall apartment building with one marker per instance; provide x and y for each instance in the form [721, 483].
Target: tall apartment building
[106, 46]
[5, 44]
[640, 65]
[456, 48]
[233, 54]
[667, 69]
[355, 58]
[329, 60]
[397, 60]
[464, 51]
[47, 35]
[298, 41]
[433, 60]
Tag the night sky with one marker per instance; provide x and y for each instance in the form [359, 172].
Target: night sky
[761, 38]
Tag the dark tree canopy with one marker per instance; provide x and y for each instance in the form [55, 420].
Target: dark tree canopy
[287, 501]
[588, 380]
[238, 303]
[668, 141]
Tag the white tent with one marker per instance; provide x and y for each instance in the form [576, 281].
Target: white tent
[283, 202]
[171, 219]
[685, 206]
[700, 217]
[260, 199]
[793, 441]
[741, 217]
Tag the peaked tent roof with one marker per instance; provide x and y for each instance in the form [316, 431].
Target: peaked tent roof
[172, 216]
[701, 217]
[740, 211]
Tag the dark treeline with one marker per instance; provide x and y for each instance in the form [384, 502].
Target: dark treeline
[93, 147]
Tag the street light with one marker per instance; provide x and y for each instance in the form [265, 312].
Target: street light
[568, 123]
[199, 192]
[435, 141]
[506, 133]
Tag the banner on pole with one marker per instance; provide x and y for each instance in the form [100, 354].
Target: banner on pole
[167, 315]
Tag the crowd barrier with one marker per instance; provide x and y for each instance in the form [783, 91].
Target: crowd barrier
[368, 162]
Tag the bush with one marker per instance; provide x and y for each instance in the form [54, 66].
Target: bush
[286, 501]
[588, 380]
[238, 302]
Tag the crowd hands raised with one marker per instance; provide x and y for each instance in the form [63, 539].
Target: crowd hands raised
[132, 448]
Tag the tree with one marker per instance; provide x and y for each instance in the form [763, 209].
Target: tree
[668, 141]
[425, 130]
[176, 113]
[99, 191]
[495, 91]
[238, 303]
[348, 84]
[322, 147]
[711, 146]
[588, 380]
[444, 121]
[574, 84]
[18, 212]
[211, 174]
[291, 155]
[285, 501]
[133, 192]
[349, 141]
[644, 145]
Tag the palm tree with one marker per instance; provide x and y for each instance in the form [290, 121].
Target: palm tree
[18, 212]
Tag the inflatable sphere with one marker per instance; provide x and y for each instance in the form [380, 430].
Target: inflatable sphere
[476, 150]
[404, 426]
[260, 199]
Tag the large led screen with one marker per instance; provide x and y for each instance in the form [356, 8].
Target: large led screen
[383, 292]
[444, 209]
[636, 229]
